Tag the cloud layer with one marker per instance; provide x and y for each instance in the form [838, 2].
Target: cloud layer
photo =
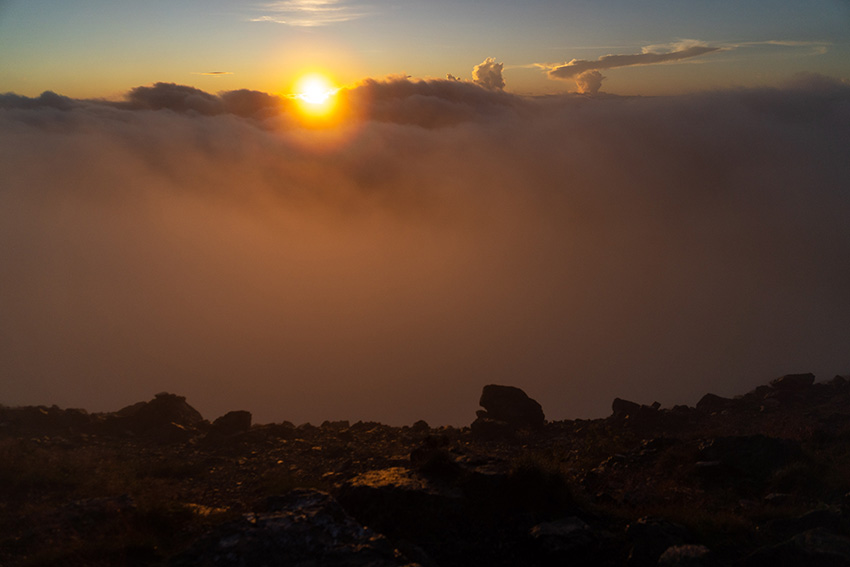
[579, 248]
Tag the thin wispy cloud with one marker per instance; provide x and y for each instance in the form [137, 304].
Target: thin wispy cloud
[816, 47]
[586, 73]
[649, 56]
[214, 73]
[309, 13]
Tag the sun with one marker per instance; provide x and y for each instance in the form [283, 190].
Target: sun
[315, 94]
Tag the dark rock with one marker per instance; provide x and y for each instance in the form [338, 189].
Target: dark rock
[748, 457]
[685, 556]
[814, 547]
[432, 458]
[711, 403]
[167, 408]
[567, 541]
[839, 382]
[232, 423]
[651, 537]
[486, 429]
[84, 514]
[511, 405]
[827, 518]
[41, 420]
[793, 382]
[167, 417]
[307, 528]
[622, 408]
[399, 502]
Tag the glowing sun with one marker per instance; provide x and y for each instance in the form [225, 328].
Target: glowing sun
[315, 94]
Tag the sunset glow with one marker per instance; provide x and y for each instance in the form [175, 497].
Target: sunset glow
[328, 209]
[315, 94]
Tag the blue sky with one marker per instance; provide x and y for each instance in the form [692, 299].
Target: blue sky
[102, 48]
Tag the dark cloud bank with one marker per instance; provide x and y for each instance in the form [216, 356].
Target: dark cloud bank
[578, 247]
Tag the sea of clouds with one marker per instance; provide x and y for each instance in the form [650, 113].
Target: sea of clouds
[443, 237]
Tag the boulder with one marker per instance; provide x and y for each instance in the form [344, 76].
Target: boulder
[166, 418]
[814, 547]
[231, 423]
[711, 403]
[751, 457]
[651, 537]
[306, 527]
[511, 405]
[400, 503]
[793, 382]
[623, 408]
[432, 459]
[566, 541]
[486, 429]
[828, 518]
[685, 556]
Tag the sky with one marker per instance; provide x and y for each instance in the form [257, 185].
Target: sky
[583, 200]
[103, 48]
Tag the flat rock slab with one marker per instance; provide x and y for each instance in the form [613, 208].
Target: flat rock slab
[308, 528]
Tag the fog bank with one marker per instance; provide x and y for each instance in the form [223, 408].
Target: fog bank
[448, 236]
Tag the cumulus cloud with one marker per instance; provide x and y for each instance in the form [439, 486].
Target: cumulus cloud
[578, 247]
[589, 82]
[488, 74]
[309, 13]
[581, 70]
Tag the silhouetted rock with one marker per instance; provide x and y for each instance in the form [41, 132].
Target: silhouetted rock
[439, 496]
[651, 537]
[745, 458]
[432, 458]
[400, 502]
[568, 541]
[486, 429]
[307, 528]
[167, 417]
[232, 423]
[43, 420]
[828, 518]
[685, 556]
[711, 403]
[814, 547]
[793, 382]
[511, 405]
[623, 408]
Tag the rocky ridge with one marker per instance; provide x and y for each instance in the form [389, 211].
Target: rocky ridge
[759, 479]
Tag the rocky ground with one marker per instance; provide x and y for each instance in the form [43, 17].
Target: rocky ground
[762, 479]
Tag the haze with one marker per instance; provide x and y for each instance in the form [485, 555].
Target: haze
[446, 236]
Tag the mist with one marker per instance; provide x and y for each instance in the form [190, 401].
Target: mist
[446, 236]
